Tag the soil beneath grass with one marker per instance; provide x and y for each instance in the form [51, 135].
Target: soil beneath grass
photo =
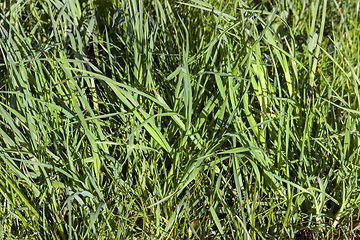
[304, 235]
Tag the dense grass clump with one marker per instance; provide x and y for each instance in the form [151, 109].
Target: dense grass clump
[179, 119]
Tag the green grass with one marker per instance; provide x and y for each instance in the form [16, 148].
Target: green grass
[179, 119]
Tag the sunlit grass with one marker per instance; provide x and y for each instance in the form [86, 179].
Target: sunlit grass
[179, 120]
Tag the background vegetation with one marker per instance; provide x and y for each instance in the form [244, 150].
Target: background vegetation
[185, 119]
